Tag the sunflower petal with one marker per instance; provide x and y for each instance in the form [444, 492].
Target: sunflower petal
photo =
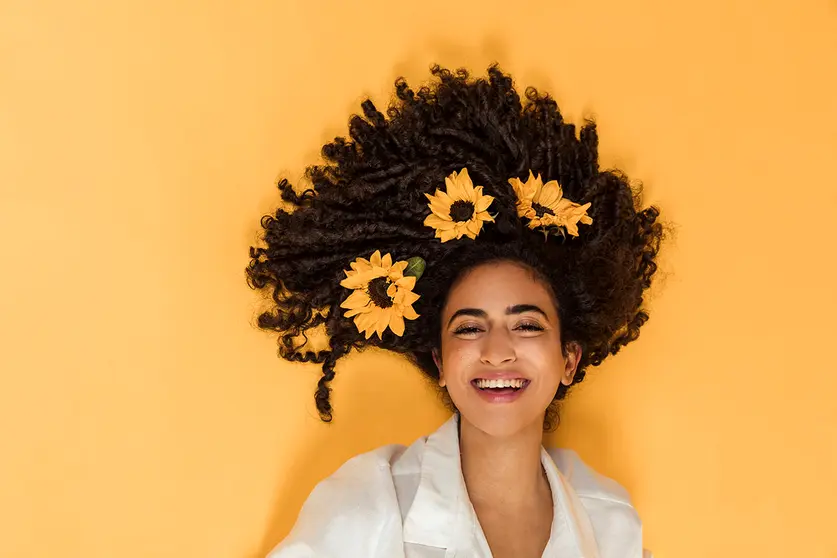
[464, 185]
[534, 180]
[381, 322]
[407, 282]
[405, 298]
[483, 203]
[462, 229]
[574, 214]
[386, 261]
[474, 226]
[440, 210]
[360, 265]
[353, 282]
[563, 206]
[437, 223]
[443, 203]
[364, 323]
[356, 311]
[530, 190]
[375, 260]
[528, 212]
[550, 194]
[409, 313]
[364, 319]
[517, 186]
[357, 299]
[468, 188]
[361, 280]
[446, 235]
[444, 197]
[453, 189]
[396, 324]
[551, 221]
[536, 198]
[439, 204]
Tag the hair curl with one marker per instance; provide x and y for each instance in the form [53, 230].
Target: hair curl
[369, 195]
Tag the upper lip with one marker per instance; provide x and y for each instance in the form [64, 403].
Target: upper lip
[500, 375]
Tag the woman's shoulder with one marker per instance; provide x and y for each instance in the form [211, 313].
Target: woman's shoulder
[607, 504]
[586, 481]
[352, 512]
[371, 464]
[363, 481]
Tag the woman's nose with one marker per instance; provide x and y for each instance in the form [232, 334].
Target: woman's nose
[498, 348]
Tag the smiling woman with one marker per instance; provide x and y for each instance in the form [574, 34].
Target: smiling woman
[476, 234]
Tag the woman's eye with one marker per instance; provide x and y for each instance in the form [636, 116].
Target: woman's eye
[467, 329]
[530, 327]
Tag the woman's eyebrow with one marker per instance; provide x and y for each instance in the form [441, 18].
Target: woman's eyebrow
[480, 313]
[521, 308]
[476, 312]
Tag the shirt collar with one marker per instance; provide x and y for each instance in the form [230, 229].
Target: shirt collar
[442, 514]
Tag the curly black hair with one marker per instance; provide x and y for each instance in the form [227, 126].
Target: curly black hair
[369, 195]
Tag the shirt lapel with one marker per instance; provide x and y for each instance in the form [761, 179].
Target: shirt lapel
[572, 534]
[430, 520]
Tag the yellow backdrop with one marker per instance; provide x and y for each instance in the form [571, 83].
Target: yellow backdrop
[143, 415]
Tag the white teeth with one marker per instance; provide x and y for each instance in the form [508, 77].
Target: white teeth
[515, 383]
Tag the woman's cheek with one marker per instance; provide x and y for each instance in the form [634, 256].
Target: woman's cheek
[542, 358]
[460, 360]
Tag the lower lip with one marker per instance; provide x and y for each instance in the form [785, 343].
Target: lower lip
[504, 395]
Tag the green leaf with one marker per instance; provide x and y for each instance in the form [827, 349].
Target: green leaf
[415, 267]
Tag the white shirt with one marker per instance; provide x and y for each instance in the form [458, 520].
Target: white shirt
[411, 502]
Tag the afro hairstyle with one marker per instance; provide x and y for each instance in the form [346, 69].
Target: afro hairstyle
[368, 194]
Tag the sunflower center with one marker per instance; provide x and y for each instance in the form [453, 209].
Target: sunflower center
[378, 292]
[542, 210]
[461, 210]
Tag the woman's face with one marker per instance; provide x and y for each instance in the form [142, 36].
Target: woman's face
[500, 328]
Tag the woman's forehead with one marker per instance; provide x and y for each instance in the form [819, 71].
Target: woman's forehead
[497, 286]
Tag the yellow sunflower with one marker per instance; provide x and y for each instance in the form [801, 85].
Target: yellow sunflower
[383, 296]
[544, 205]
[460, 210]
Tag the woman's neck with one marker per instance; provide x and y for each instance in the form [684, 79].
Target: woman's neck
[503, 471]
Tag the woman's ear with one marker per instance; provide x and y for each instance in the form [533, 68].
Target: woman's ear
[571, 360]
[438, 360]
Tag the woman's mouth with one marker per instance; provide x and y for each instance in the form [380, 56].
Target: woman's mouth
[500, 390]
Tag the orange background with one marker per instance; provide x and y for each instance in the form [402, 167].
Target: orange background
[143, 415]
